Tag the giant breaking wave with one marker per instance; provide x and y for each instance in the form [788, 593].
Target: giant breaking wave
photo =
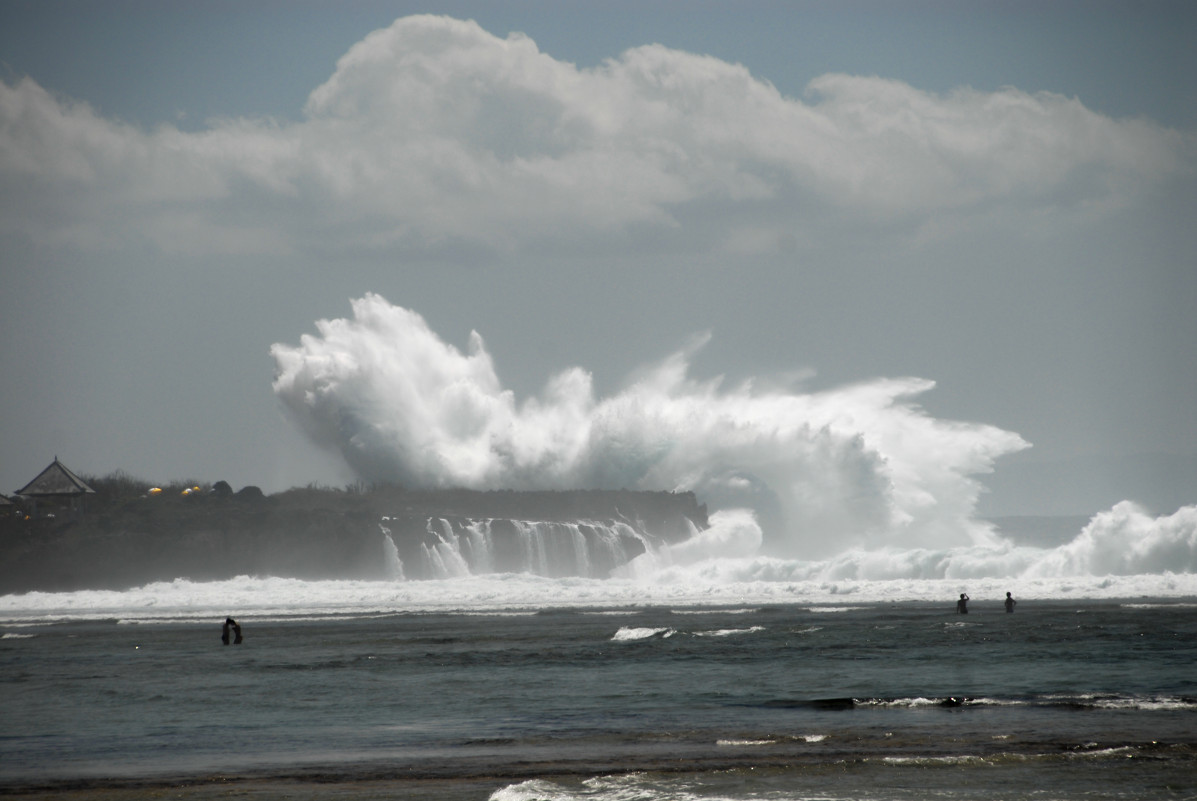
[857, 482]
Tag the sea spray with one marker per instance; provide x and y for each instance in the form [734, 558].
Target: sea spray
[1126, 540]
[860, 466]
[851, 484]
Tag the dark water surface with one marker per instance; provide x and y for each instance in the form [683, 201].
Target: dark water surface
[1062, 700]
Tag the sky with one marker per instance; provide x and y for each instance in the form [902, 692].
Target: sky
[988, 204]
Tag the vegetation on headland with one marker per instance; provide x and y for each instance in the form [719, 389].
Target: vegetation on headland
[131, 531]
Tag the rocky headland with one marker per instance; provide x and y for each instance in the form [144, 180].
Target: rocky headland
[127, 535]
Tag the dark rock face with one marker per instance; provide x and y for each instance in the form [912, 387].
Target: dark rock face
[314, 533]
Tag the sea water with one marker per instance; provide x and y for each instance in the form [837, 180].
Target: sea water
[488, 689]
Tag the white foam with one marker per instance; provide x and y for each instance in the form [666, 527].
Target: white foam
[902, 702]
[533, 790]
[245, 596]
[1103, 753]
[630, 633]
[729, 632]
[713, 611]
[834, 609]
[934, 760]
[1154, 703]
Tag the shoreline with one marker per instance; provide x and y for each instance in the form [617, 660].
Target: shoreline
[396, 783]
[562, 761]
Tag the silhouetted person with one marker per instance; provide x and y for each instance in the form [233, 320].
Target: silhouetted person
[224, 635]
[1010, 603]
[962, 605]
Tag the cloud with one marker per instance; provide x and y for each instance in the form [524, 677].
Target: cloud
[434, 133]
[71, 177]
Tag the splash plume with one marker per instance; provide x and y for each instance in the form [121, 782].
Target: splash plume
[861, 465]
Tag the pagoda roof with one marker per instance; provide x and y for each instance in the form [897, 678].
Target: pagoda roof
[56, 479]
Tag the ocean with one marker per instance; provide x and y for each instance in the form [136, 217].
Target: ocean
[517, 687]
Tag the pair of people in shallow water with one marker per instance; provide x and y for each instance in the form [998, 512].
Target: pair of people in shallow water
[962, 604]
[229, 623]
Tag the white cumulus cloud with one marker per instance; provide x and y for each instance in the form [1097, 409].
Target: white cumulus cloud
[435, 132]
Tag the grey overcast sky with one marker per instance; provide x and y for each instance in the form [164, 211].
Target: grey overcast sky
[999, 197]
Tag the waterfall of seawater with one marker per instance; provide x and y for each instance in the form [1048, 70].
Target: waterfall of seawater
[393, 562]
[456, 548]
[445, 555]
[476, 543]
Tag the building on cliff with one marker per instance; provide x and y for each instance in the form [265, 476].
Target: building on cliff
[55, 488]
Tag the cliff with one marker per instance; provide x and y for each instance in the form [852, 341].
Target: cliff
[385, 533]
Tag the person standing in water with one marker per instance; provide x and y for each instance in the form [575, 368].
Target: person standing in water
[1010, 602]
[962, 605]
[224, 635]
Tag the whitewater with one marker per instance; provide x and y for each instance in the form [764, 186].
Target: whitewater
[858, 481]
[1107, 560]
[852, 494]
